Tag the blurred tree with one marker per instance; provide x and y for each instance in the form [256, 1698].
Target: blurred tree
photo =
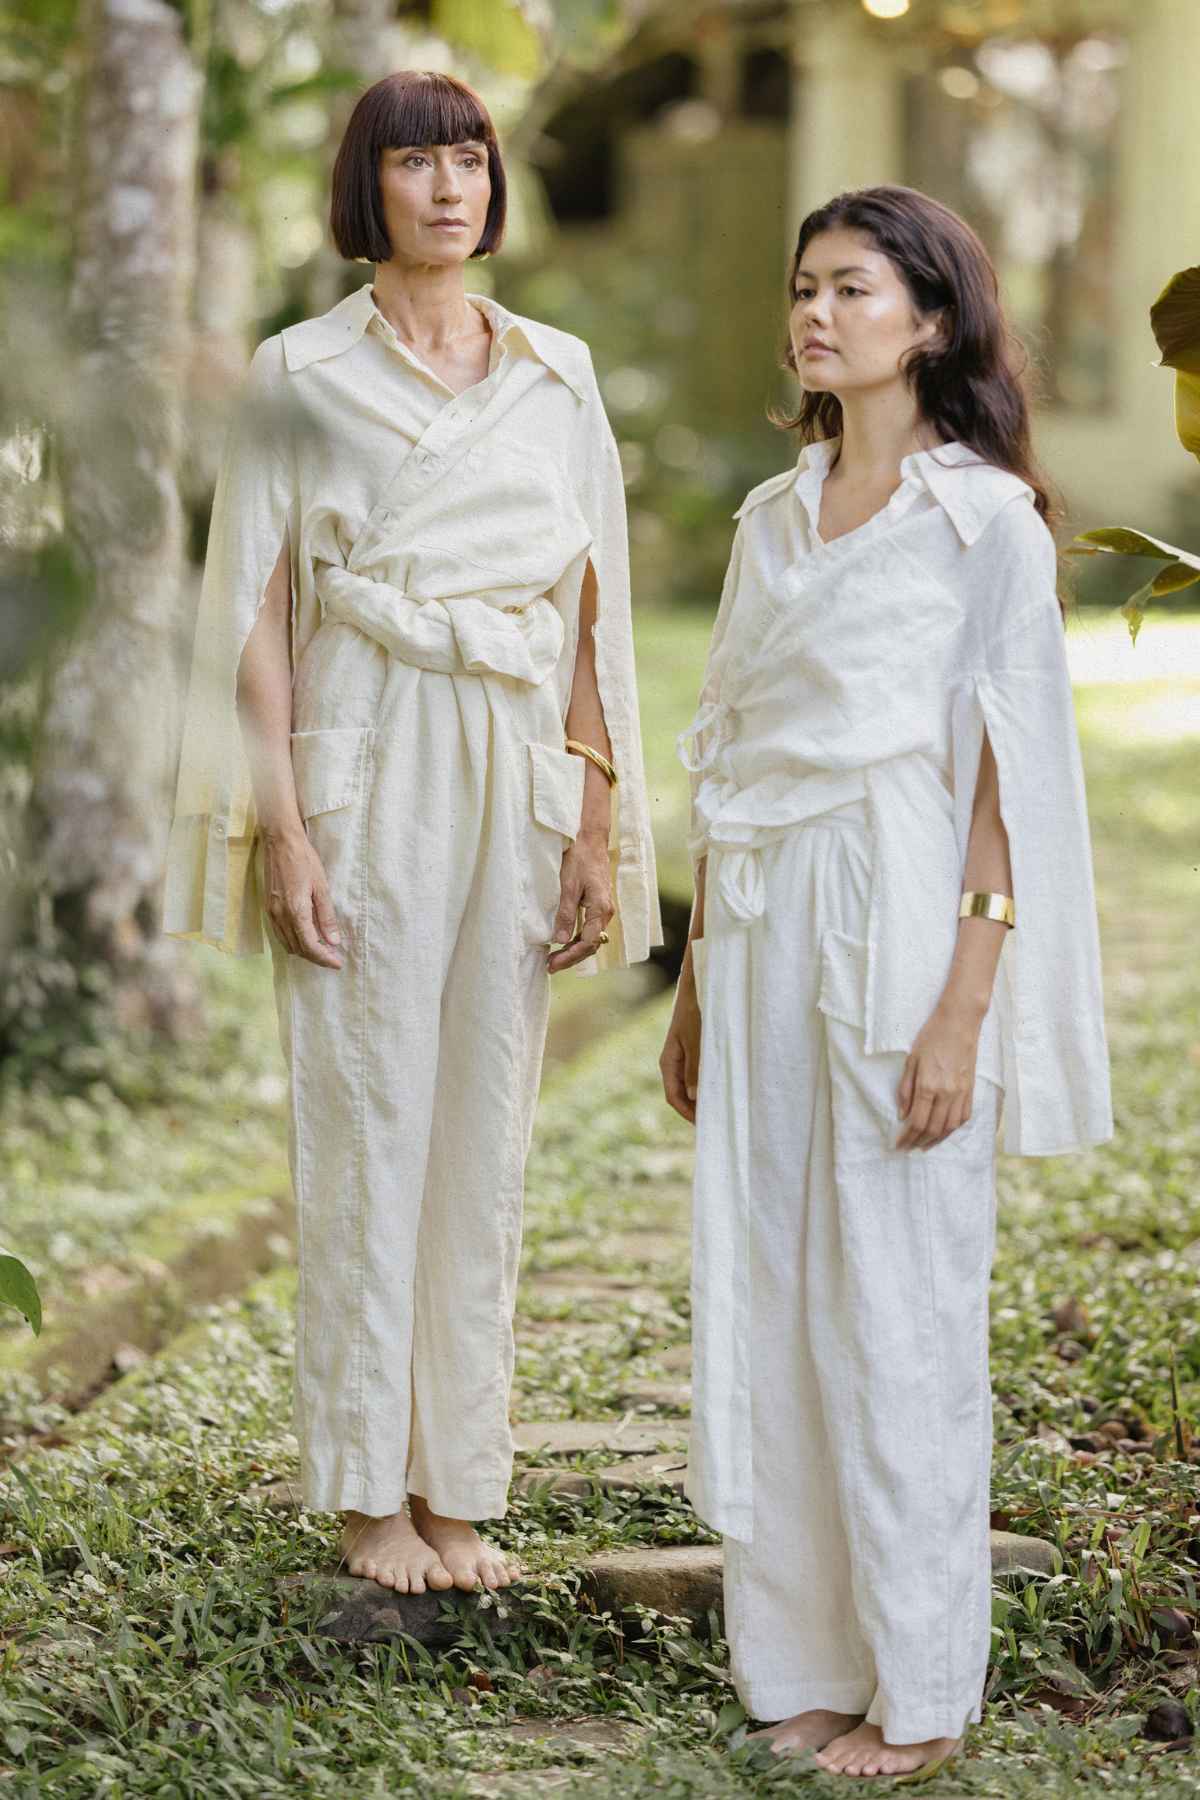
[101, 766]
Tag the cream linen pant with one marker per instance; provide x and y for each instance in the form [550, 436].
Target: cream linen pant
[866, 1585]
[440, 808]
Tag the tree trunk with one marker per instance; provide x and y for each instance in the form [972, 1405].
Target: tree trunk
[104, 759]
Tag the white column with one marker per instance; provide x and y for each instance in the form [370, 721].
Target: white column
[846, 114]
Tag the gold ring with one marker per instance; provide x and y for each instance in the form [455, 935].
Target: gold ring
[603, 938]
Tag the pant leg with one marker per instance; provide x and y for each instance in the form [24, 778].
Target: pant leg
[363, 1046]
[902, 1261]
[495, 1008]
[866, 1584]
[794, 1635]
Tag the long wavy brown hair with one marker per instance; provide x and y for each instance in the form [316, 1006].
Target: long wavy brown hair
[971, 383]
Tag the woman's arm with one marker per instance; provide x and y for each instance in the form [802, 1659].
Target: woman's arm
[680, 1059]
[938, 1084]
[586, 870]
[297, 897]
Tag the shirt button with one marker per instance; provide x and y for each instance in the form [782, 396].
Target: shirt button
[219, 828]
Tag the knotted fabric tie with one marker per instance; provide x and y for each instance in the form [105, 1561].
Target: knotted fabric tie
[699, 746]
[467, 634]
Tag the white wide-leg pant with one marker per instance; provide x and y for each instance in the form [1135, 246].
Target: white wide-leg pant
[440, 810]
[865, 1584]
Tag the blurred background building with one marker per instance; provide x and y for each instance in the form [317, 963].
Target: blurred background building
[1052, 125]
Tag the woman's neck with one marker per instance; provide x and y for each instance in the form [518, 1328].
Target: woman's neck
[427, 308]
[878, 432]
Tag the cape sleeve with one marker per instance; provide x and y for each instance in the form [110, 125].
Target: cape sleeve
[701, 744]
[1017, 687]
[600, 488]
[210, 892]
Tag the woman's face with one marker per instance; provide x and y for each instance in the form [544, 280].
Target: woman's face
[853, 318]
[435, 201]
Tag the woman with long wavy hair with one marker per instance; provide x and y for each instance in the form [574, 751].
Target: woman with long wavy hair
[894, 933]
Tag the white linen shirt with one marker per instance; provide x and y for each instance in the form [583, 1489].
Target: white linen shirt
[346, 444]
[869, 668]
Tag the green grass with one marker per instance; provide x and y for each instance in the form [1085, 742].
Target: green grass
[144, 1645]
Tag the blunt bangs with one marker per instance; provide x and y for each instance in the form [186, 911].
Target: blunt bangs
[414, 106]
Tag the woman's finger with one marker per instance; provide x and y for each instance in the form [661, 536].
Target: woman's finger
[918, 1119]
[570, 893]
[324, 914]
[671, 1063]
[937, 1124]
[691, 1073]
[904, 1096]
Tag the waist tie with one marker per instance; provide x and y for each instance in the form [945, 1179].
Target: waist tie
[738, 824]
[467, 634]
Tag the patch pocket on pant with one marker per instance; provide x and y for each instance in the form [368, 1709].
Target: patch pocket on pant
[556, 801]
[865, 1089]
[330, 769]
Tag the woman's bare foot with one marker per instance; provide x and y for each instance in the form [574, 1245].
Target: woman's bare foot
[461, 1549]
[805, 1731]
[863, 1752]
[391, 1552]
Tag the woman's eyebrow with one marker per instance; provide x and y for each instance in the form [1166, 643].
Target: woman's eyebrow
[850, 269]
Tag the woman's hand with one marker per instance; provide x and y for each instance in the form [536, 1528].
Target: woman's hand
[586, 882]
[680, 1059]
[297, 899]
[938, 1084]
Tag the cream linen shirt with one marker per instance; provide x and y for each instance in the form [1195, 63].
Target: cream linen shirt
[868, 668]
[346, 445]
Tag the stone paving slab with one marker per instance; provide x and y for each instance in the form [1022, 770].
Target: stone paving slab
[681, 1580]
[577, 1437]
[664, 1471]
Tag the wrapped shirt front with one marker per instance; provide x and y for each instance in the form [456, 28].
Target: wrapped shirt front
[869, 668]
[463, 521]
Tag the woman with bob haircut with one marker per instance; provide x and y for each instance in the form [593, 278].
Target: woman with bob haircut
[888, 810]
[412, 713]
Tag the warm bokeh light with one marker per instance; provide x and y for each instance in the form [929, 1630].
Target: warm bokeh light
[886, 9]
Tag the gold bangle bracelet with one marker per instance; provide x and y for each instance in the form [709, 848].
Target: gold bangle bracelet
[988, 906]
[601, 762]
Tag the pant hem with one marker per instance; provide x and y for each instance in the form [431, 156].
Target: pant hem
[773, 1704]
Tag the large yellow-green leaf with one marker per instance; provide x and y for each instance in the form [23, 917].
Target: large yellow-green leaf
[1123, 540]
[1175, 576]
[1175, 321]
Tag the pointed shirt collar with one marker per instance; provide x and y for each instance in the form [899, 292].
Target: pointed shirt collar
[343, 325]
[969, 489]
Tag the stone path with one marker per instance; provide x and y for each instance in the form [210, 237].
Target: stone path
[680, 1580]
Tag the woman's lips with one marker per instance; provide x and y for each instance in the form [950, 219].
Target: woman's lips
[448, 225]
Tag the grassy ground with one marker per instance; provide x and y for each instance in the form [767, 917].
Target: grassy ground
[144, 1646]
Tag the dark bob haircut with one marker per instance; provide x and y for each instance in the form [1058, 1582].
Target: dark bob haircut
[413, 106]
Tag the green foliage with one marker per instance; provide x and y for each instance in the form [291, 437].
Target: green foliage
[149, 1648]
[18, 1289]
[1175, 320]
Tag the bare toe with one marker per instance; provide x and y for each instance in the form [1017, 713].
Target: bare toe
[439, 1577]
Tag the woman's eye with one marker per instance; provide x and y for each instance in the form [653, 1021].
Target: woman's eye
[851, 290]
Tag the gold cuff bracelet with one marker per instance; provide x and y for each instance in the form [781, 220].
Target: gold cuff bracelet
[601, 762]
[988, 906]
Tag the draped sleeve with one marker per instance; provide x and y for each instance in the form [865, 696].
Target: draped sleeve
[600, 492]
[700, 746]
[210, 893]
[1017, 688]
